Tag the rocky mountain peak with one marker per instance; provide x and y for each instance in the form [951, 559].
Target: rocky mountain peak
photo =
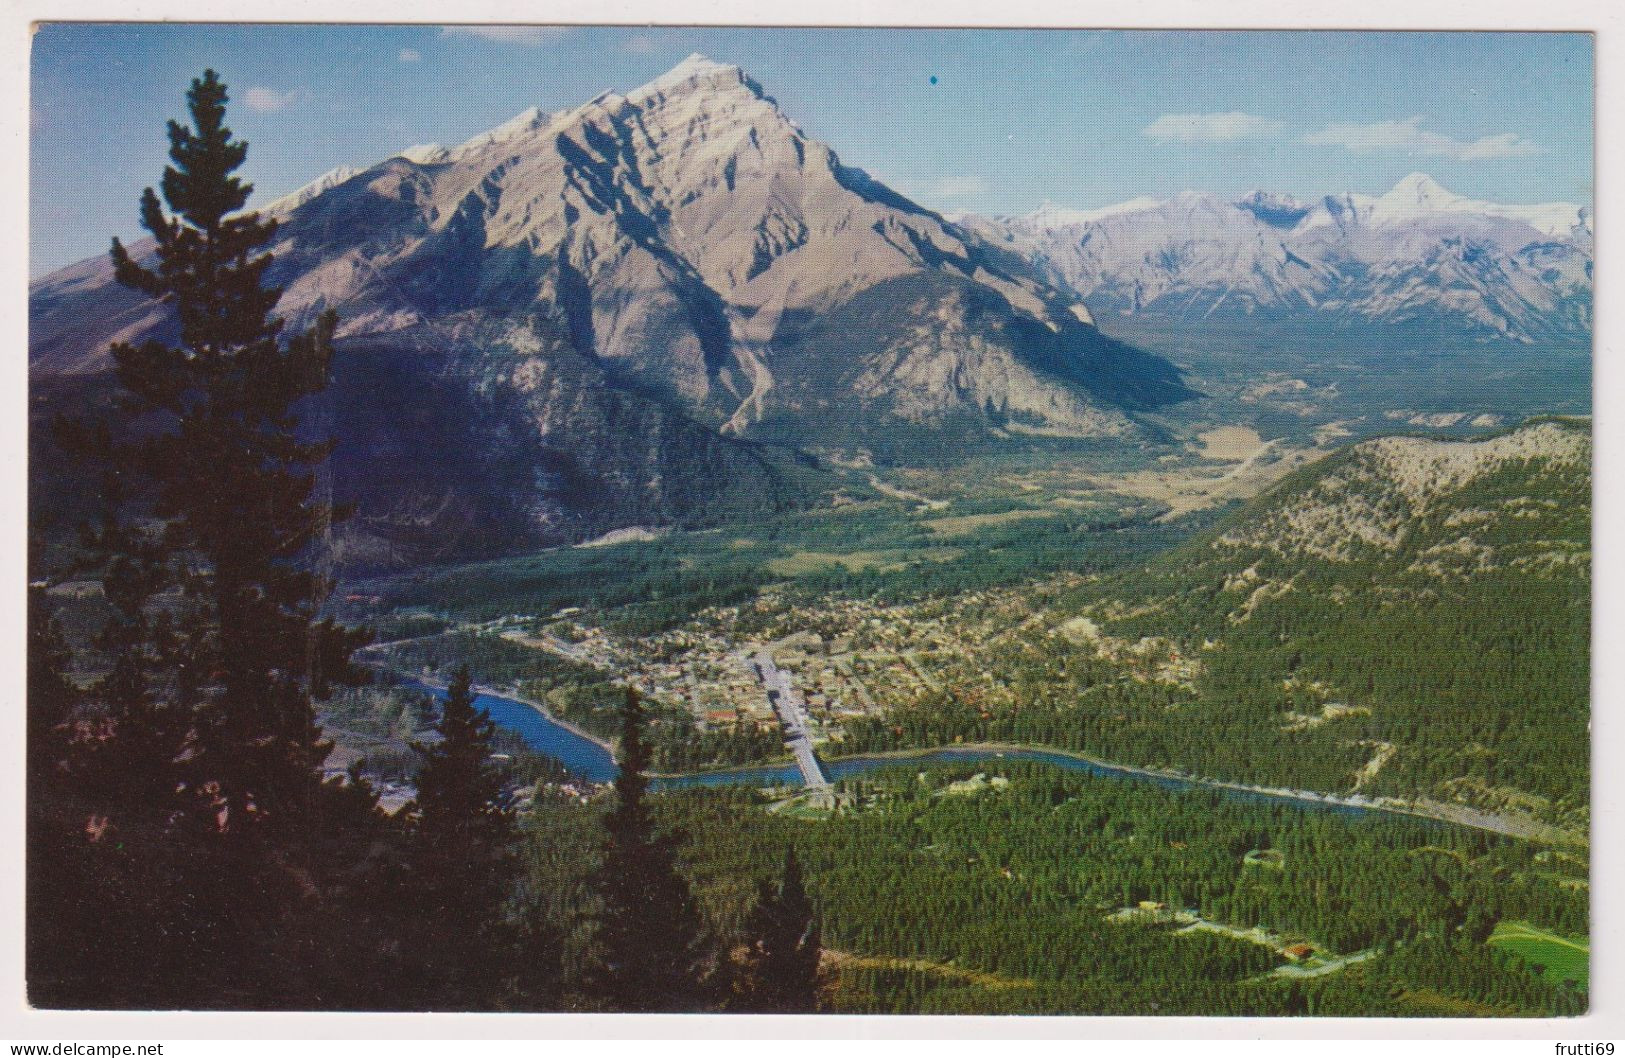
[1421, 188]
[1274, 209]
[692, 242]
[294, 199]
[1054, 215]
[694, 73]
[1416, 195]
[425, 154]
[1418, 255]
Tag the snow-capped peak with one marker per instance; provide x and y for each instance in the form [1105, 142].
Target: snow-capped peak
[326, 182]
[425, 154]
[1418, 191]
[525, 121]
[1419, 196]
[693, 68]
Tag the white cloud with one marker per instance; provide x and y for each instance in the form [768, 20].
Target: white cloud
[1210, 128]
[528, 35]
[1410, 137]
[410, 55]
[266, 100]
[642, 44]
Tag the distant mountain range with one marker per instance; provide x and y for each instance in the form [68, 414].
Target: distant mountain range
[645, 309]
[1415, 257]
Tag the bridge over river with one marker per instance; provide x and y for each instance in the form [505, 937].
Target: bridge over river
[792, 712]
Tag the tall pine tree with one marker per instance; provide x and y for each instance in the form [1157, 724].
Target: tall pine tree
[463, 952]
[781, 960]
[234, 482]
[198, 764]
[56, 969]
[649, 952]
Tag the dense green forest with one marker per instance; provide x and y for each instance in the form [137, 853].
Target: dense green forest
[986, 897]
[1464, 648]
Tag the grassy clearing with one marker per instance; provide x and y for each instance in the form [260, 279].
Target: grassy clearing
[1427, 1002]
[803, 562]
[967, 523]
[1230, 443]
[1563, 959]
[992, 982]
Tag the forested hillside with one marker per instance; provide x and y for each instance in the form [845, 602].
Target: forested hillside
[1021, 890]
[1409, 617]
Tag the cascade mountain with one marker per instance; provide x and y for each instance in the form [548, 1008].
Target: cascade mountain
[604, 317]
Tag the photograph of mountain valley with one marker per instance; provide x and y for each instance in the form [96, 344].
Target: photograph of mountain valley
[780, 521]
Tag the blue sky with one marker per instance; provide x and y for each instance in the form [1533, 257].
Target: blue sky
[993, 121]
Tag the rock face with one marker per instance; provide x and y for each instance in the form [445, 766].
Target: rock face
[627, 291]
[1417, 256]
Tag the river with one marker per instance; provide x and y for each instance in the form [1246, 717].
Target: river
[580, 755]
[592, 761]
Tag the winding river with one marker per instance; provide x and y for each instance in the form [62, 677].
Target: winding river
[592, 760]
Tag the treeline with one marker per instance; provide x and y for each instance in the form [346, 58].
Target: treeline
[647, 586]
[1010, 553]
[1472, 671]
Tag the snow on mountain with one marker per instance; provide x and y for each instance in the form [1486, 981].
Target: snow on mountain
[686, 74]
[1050, 215]
[528, 120]
[294, 199]
[642, 278]
[1420, 197]
[426, 154]
[1417, 254]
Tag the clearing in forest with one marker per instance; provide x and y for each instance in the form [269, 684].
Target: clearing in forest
[1564, 959]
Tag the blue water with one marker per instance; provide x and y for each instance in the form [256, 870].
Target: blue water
[587, 759]
[580, 756]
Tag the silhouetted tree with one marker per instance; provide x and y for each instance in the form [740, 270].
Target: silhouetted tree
[649, 952]
[465, 953]
[235, 483]
[781, 960]
[197, 767]
[53, 969]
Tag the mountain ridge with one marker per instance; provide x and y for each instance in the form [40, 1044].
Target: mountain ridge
[638, 282]
[1415, 255]
[697, 193]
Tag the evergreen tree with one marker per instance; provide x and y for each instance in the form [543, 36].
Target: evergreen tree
[196, 771]
[781, 975]
[51, 695]
[463, 868]
[235, 484]
[649, 952]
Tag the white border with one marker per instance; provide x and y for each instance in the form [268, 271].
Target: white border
[1607, 1019]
